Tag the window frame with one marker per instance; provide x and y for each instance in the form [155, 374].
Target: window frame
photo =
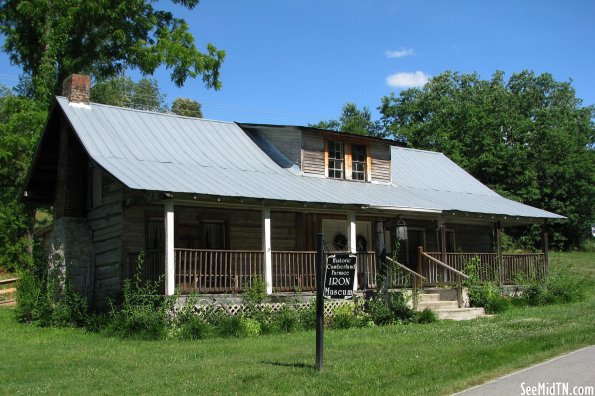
[363, 163]
[347, 163]
[331, 171]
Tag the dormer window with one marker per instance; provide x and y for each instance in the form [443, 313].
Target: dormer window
[336, 160]
[358, 162]
[346, 160]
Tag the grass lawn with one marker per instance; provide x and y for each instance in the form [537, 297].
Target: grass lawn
[406, 359]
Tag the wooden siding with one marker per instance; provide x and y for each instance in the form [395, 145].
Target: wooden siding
[380, 153]
[472, 238]
[243, 227]
[106, 223]
[313, 154]
[313, 158]
[288, 141]
[284, 231]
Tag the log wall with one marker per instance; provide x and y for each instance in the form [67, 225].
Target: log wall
[106, 223]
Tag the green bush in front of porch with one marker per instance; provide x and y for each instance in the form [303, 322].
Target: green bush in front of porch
[560, 286]
[483, 294]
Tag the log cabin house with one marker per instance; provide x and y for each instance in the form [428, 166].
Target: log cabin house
[213, 204]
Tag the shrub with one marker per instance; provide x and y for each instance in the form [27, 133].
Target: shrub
[97, 322]
[307, 315]
[425, 316]
[256, 292]
[379, 311]
[558, 287]
[29, 294]
[143, 312]
[483, 294]
[387, 308]
[187, 324]
[50, 300]
[250, 327]
[488, 296]
[195, 328]
[588, 245]
[140, 323]
[287, 320]
[344, 317]
[229, 326]
[69, 308]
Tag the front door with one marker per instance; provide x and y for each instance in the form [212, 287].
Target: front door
[415, 239]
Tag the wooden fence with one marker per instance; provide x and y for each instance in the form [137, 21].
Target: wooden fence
[8, 291]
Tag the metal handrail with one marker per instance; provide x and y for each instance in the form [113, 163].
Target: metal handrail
[405, 268]
[445, 265]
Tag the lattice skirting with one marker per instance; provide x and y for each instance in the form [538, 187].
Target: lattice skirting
[238, 309]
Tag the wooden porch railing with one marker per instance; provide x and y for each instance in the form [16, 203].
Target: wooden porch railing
[368, 272]
[294, 271]
[216, 271]
[231, 271]
[439, 272]
[529, 265]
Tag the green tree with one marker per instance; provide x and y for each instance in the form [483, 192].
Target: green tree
[124, 92]
[352, 120]
[53, 39]
[21, 120]
[186, 107]
[529, 138]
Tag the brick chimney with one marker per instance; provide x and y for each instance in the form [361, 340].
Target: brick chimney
[77, 88]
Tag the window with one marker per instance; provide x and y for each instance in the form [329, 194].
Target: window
[336, 159]
[451, 246]
[213, 235]
[346, 160]
[358, 162]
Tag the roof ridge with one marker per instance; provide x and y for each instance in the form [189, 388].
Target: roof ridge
[418, 150]
[152, 112]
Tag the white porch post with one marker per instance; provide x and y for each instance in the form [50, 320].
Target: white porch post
[266, 247]
[352, 242]
[169, 248]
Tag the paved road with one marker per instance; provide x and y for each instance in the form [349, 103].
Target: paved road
[570, 374]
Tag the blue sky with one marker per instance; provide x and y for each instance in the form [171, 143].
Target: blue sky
[298, 61]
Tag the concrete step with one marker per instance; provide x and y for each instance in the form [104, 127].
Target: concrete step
[427, 297]
[459, 313]
[446, 294]
[421, 305]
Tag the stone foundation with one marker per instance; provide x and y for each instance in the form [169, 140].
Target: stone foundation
[72, 253]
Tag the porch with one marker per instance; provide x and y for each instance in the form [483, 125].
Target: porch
[232, 271]
[210, 249]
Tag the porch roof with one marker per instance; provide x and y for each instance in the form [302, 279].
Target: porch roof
[169, 153]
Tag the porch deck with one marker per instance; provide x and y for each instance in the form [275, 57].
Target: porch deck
[232, 271]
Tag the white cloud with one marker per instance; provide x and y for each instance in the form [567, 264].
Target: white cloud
[403, 52]
[406, 80]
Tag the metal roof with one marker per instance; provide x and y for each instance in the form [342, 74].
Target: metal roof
[435, 177]
[169, 153]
